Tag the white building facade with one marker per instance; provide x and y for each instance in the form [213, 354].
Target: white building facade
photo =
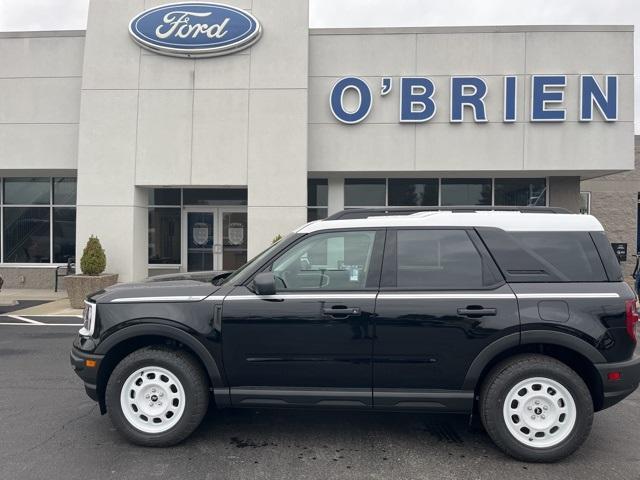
[197, 163]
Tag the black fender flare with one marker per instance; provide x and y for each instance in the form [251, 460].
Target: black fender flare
[566, 340]
[512, 340]
[220, 389]
[486, 356]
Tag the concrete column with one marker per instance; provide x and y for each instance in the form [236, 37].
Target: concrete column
[278, 116]
[565, 192]
[336, 194]
[149, 120]
[109, 204]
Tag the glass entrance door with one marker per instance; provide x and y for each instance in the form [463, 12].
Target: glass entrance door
[215, 238]
[234, 238]
[200, 241]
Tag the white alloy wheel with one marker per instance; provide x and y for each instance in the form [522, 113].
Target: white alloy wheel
[152, 399]
[539, 412]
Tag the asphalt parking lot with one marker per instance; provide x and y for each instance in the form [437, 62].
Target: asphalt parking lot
[49, 430]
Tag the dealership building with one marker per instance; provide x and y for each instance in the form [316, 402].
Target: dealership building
[183, 161]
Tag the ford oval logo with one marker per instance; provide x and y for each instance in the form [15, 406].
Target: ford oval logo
[195, 29]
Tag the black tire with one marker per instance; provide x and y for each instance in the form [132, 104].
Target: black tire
[505, 376]
[190, 374]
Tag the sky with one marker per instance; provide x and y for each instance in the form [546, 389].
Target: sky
[72, 14]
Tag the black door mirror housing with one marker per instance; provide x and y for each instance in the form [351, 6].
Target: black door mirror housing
[265, 283]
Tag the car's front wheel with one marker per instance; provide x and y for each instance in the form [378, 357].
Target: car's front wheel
[156, 396]
[536, 408]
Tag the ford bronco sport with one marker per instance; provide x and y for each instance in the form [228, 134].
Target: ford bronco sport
[519, 317]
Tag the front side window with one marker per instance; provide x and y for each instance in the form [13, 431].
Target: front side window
[437, 260]
[328, 261]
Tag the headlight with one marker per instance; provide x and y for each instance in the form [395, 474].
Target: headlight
[89, 319]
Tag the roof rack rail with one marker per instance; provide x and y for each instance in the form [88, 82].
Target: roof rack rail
[354, 213]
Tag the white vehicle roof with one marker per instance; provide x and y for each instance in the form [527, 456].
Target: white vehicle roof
[505, 220]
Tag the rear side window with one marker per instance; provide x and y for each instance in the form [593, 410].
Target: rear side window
[437, 259]
[568, 256]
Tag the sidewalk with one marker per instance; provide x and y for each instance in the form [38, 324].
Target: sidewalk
[57, 303]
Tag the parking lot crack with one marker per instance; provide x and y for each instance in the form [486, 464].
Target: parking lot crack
[54, 433]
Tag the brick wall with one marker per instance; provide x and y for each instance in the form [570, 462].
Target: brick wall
[614, 201]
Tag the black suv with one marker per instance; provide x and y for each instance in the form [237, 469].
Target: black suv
[520, 318]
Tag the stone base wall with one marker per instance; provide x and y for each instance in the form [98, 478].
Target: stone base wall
[617, 212]
[565, 192]
[20, 277]
[614, 201]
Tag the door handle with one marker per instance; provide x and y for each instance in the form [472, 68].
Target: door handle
[476, 312]
[342, 311]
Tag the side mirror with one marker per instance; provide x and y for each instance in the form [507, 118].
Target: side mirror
[265, 283]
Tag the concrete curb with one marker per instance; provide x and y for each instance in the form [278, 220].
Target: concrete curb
[56, 307]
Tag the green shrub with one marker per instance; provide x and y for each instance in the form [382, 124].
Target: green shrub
[93, 261]
[276, 239]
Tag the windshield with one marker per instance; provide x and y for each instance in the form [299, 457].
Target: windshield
[257, 259]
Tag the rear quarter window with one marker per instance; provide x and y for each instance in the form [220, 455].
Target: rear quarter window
[608, 257]
[567, 256]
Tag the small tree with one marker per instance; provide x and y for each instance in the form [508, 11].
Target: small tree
[93, 261]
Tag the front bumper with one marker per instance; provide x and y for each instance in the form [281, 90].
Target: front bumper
[88, 374]
[616, 390]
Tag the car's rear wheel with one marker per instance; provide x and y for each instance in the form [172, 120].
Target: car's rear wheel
[536, 408]
[156, 396]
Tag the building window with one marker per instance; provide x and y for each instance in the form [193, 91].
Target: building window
[64, 233]
[214, 196]
[317, 199]
[466, 191]
[585, 203]
[39, 219]
[26, 235]
[418, 192]
[365, 192]
[164, 235]
[234, 240]
[64, 191]
[165, 197]
[165, 223]
[27, 191]
[165, 226]
[520, 192]
[409, 192]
